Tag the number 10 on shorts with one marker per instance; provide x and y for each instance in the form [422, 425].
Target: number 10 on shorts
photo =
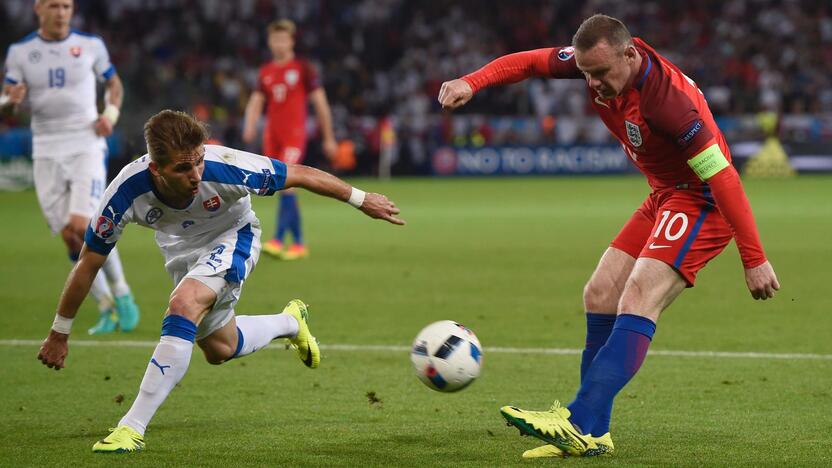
[674, 226]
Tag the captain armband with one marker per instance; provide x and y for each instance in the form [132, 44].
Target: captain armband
[709, 162]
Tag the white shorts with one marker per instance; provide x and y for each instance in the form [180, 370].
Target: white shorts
[222, 263]
[71, 185]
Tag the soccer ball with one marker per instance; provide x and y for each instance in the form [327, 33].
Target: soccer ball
[447, 356]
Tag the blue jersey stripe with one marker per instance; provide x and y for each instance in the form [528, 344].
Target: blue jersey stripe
[27, 38]
[135, 186]
[265, 183]
[109, 72]
[692, 236]
[646, 72]
[242, 251]
[86, 34]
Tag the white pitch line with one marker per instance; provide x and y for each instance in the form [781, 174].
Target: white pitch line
[499, 350]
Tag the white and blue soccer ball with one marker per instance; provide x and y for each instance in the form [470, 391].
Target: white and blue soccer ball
[447, 356]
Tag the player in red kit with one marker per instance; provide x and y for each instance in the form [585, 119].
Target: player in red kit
[697, 205]
[283, 86]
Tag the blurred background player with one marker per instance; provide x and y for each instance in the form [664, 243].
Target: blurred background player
[697, 205]
[58, 67]
[197, 199]
[283, 87]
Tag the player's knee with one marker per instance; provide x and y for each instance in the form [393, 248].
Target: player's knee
[600, 296]
[78, 226]
[634, 299]
[72, 241]
[184, 307]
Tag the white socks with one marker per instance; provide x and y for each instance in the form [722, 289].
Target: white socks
[100, 290]
[166, 368]
[115, 274]
[173, 354]
[257, 331]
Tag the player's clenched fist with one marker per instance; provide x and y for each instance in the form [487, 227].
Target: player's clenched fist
[53, 351]
[378, 206]
[762, 281]
[455, 93]
[16, 93]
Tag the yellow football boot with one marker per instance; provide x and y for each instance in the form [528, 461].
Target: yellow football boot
[552, 427]
[604, 443]
[295, 252]
[122, 439]
[274, 248]
[304, 343]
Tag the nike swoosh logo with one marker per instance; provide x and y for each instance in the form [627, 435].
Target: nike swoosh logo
[653, 246]
[600, 102]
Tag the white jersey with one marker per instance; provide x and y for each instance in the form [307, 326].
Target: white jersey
[61, 79]
[221, 205]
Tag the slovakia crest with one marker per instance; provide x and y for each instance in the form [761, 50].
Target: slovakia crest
[633, 134]
[212, 204]
[153, 215]
[104, 227]
[566, 53]
[291, 77]
[75, 51]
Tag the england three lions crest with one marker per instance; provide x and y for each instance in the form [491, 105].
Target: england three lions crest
[633, 134]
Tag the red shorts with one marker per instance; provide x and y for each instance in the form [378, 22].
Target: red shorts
[289, 152]
[682, 228]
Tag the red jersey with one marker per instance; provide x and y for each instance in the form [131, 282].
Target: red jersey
[286, 86]
[662, 120]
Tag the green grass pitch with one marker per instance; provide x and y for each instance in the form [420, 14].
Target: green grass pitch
[506, 257]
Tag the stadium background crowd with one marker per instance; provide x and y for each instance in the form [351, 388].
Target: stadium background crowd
[382, 62]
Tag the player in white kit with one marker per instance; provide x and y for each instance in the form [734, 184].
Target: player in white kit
[58, 67]
[196, 197]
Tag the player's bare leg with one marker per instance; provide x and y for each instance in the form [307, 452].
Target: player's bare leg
[245, 334]
[650, 288]
[601, 297]
[604, 288]
[188, 304]
[602, 294]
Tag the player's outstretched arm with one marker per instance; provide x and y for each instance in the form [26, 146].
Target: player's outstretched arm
[55, 348]
[507, 69]
[374, 205]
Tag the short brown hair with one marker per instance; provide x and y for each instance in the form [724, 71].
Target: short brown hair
[170, 133]
[599, 28]
[282, 25]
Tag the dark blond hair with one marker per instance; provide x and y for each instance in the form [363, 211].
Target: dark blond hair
[282, 25]
[599, 28]
[170, 133]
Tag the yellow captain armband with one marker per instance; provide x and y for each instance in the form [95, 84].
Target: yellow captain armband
[707, 163]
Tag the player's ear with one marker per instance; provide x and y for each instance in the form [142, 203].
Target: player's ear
[154, 168]
[630, 53]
